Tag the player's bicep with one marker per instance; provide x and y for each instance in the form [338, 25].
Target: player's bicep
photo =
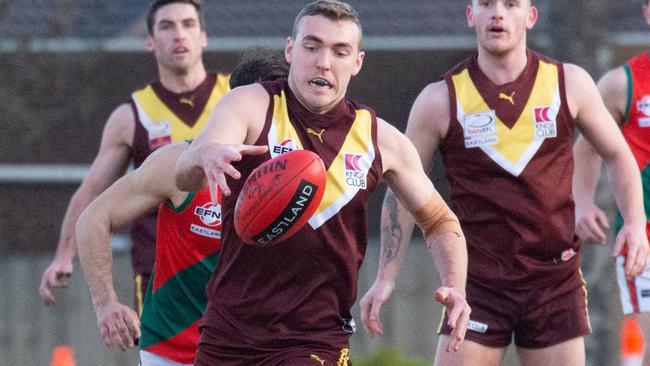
[114, 152]
[613, 88]
[123, 202]
[428, 121]
[403, 171]
[236, 114]
[591, 117]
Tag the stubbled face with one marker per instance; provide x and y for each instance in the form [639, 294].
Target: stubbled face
[501, 25]
[323, 58]
[177, 39]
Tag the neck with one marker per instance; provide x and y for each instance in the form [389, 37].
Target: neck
[503, 68]
[180, 83]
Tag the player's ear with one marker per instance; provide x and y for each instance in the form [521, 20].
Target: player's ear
[532, 17]
[470, 16]
[204, 39]
[288, 49]
[149, 43]
[358, 62]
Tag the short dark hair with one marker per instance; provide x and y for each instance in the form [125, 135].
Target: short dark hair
[331, 9]
[259, 64]
[157, 4]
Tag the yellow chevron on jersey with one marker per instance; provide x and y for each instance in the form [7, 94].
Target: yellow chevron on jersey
[349, 169]
[158, 119]
[514, 147]
[282, 136]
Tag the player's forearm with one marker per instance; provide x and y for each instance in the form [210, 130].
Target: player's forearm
[449, 254]
[189, 174]
[396, 229]
[587, 164]
[445, 239]
[626, 184]
[93, 240]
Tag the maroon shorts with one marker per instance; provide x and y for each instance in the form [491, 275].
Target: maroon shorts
[210, 354]
[537, 318]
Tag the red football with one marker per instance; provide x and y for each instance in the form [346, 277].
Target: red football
[279, 197]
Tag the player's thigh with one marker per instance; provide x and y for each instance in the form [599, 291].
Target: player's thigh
[470, 354]
[567, 353]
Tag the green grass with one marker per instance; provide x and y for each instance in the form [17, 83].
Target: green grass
[387, 357]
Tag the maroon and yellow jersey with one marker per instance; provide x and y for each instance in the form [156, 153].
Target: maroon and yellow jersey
[300, 291]
[509, 161]
[187, 249]
[163, 117]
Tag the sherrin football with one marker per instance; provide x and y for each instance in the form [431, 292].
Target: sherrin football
[279, 197]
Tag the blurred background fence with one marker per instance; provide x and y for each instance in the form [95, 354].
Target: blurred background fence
[66, 64]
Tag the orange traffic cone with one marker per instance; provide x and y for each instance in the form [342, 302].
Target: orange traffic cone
[632, 343]
[62, 356]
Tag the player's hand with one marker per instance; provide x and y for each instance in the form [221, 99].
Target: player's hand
[216, 159]
[54, 276]
[119, 325]
[636, 240]
[457, 315]
[591, 224]
[371, 304]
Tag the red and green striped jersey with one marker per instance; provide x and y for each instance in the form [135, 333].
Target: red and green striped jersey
[187, 247]
[636, 126]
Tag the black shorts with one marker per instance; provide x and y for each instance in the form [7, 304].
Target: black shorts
[537, 318]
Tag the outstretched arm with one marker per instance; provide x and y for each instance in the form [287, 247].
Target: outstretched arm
[406, 178]
[396, 229]
[428, 123]
[110, 163]
[396, 222]
[125, 200]
[598, 127]
[233, 128]
[408, 182]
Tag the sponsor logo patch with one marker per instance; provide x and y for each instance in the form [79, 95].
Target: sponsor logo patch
[477, 326]
[349, 325]
[568, 254]
[545, 125]
[643, 105]
[209, 213]
[645, 292]
[204, 231]
[284, 147]
[480, 129]
[355, 175]
[644, 122]
[160, 134]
